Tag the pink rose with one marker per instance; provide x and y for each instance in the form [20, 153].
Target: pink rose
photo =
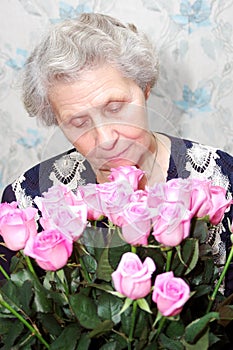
[178, 190]
[137, 223]
[130, 174]
[156, 195]
[170, 294]
[171, 224]
[55, 196]
[138, 196]
[70, 220]
[17, 225]
[200, 197]
[132, 278]
[114, 196]
[219, 204]
[50, 248]
[92, 199]
[61, 209]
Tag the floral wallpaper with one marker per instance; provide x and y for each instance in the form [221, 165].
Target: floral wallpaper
[193, 97]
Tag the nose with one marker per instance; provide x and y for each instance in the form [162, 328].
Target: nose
[106, 136]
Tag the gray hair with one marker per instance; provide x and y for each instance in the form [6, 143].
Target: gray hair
[74, 45]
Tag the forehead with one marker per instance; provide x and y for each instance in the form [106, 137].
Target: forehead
[93, 88]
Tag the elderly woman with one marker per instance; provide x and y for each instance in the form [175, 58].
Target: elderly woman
[92, 76]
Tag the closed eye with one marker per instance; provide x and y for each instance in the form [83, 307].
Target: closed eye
[80, 122]
[114, 107]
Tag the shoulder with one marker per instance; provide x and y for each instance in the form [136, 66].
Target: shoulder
[69, 168]
[190, 158]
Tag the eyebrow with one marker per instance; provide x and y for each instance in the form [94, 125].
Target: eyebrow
[113, 99]
[105, 103]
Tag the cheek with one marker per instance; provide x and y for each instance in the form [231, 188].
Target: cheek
[135, 115]
[133, 132]
[84, 143]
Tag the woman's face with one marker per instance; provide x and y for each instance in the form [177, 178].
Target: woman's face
[103, 115]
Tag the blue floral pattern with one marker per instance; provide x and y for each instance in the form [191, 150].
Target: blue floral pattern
[31, 140]
[198, 99]
[195, 14]
[17, 61]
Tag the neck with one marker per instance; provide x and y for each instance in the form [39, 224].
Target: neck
[149, 163]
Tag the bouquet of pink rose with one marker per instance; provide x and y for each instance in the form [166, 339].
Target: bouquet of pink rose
[115, 267]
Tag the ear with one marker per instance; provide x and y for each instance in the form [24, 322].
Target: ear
[147, 92]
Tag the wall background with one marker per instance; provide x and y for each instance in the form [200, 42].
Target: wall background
[193, 98]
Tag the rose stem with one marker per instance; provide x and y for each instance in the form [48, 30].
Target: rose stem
[30, 266]
[5, 274]
[169, 258]
[21, 319]
[213, 296]
[133, 319]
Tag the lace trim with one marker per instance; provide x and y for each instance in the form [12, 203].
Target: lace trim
[201, 163]
[67, 170]
[23, 200]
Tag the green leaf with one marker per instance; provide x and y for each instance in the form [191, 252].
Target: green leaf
[25, 296]
[84, 342]
[201, 290]
[126, 319]
[106, 287]
[126, 305]
[193, 259]
[5, 325]
[143, 304]
[153, 346]
[112, 345]
[208, 272]
[41, 301]
[20, 277]
[157, 255]
[50, 324]
[200, 230]
[213, 339]
[16, 263]
[195, 330]
[55, 281]
[175, 329]
[109, 307]
[90, 263]
[68, 338]
[75, 280]
[13, 333]
[120, 340]
[170, 344]
[117, 248]
[189, 257]
[104, 269]
[141, 327]
[102, 328]
[85, 310]
[201, 344]
[10, 293]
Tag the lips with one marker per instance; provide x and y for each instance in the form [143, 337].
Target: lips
[102, 156]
